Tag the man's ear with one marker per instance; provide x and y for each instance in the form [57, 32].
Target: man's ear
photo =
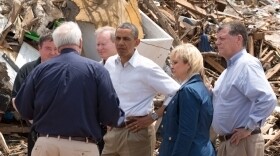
[137, 41]
[81, 44]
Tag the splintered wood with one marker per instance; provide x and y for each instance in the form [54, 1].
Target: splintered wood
[271, 134]
[191, 19]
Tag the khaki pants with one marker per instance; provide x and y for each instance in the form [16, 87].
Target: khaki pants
[121, 142]
[250, 146]
[62, 147]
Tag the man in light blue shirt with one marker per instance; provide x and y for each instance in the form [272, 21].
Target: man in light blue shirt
[242, 96]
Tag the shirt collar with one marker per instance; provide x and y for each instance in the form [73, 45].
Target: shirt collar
[132, 61]
[235, 57]
[67, 50]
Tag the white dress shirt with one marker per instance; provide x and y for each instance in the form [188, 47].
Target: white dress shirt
[137, 82]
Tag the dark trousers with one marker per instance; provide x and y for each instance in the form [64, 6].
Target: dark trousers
[32, 137]
[101, 143]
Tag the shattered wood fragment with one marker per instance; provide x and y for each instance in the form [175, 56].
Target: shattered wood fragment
[12, 128]
[3, 144]
[275, 137]
[17, 5]
[258, 35]
[272, 71]
[267, 56]
[163, 22]
[251, 45]
[214, 64]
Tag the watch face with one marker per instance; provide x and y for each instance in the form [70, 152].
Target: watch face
[154, 116]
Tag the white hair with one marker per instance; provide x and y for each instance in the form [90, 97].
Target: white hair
[67, 33]
[109, 29]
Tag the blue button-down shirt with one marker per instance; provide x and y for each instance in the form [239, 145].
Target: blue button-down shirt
[242, 96]
[69, 95]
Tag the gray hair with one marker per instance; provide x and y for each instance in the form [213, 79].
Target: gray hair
[109, 29]
[131, 27]
[67, 33]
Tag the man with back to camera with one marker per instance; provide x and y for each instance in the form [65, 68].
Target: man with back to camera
[47, 50]
[67, 98]
[242, 96]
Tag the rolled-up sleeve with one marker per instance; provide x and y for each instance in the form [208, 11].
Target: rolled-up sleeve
[256, 87]
[162, 83]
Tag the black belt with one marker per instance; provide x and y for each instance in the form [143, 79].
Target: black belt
[228, 136]
[82, 139]
[133, 118]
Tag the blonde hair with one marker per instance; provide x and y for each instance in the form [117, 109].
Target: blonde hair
[191, 55]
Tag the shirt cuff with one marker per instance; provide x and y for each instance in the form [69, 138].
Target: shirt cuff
[121, 118]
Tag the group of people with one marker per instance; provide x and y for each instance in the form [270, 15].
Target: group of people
[82, 107]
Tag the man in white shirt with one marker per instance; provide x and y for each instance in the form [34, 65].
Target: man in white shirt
[136, 80]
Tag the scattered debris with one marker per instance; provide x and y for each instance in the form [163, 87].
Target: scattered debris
[23, 21]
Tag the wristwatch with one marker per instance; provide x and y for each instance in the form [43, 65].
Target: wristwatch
[248, 129]
[154, 115]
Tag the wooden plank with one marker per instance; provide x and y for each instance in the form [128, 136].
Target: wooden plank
[251, 45]
[17, 5]
[201, 11]
[268, 137]
[14, 129]
[214, 64]
[266, 127]
[263, 52]
[272, 71]
[192, 7]
[258, 35]
[163, 21]
[267, 56]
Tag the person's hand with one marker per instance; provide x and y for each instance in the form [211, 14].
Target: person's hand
[109, 128]
[138, 123]
[238, 135]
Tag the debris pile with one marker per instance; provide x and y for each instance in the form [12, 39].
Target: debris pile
[196, 22]
[185, 20]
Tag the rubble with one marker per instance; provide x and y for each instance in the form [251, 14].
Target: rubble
[23, 21]
[196, 22]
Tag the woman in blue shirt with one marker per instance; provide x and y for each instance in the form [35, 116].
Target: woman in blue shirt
[186, 123]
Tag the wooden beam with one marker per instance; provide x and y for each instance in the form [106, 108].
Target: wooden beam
[12, 128]
[251, 45]
[214, 64]
[192, 7]
[265, 57]
[163, 21]
[272, 71]
[201, 11]
[17, 5]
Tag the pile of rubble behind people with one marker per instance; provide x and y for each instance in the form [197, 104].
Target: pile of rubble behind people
[186, 21]
[197, 22]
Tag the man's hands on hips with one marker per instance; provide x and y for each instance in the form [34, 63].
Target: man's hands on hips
[138, 123]
[238, 135]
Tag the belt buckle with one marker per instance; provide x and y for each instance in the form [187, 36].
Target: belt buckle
[225, 138]
[222, 138]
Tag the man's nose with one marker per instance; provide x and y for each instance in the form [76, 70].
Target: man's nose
[217, 42]
[54, 52]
